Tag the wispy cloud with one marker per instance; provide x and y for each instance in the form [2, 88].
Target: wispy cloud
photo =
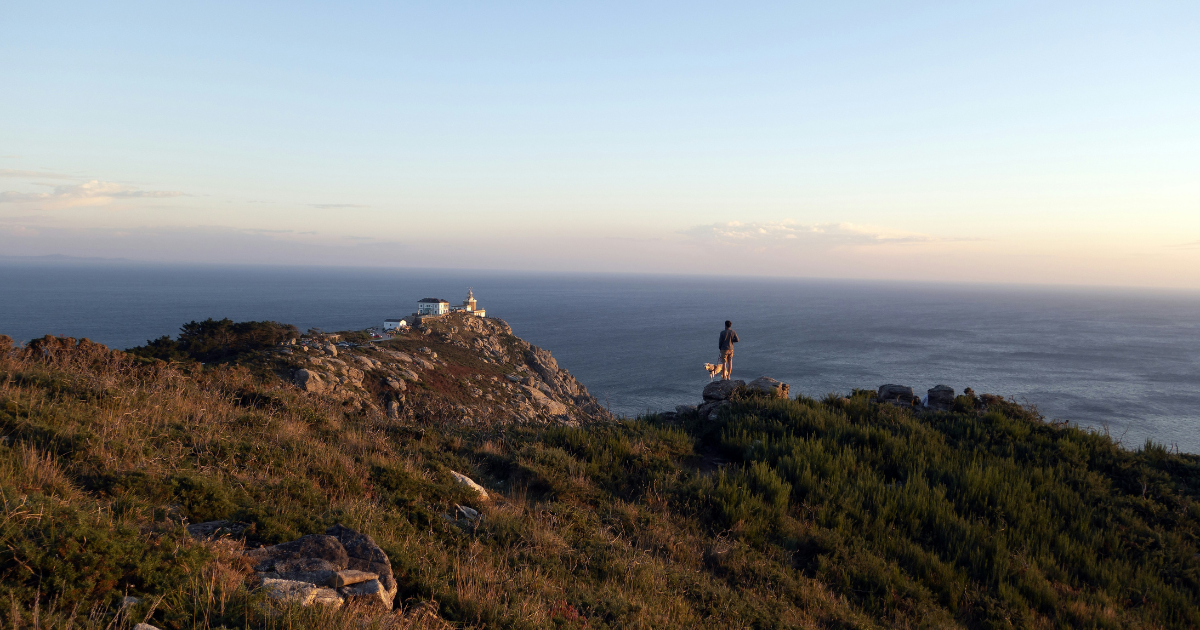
[93, 193]
[8, 172]
[1192, 245]
[790, 233]
[334, 206]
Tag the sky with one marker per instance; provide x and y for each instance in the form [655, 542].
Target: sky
[1013, 142]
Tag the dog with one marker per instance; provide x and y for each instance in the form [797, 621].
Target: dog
[714, 370]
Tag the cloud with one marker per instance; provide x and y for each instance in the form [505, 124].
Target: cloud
[93, 193]
[8, 172]
[787, 233]
[1192, 245]
[335, 206]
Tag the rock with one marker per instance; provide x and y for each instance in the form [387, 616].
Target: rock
[365, 555]
[327, 597]
[351, 577]
[424, 613]
[311, 570]
[901, 395]
[394, 383]
[543, 363]
[470, 514]
[330, 349]
[310, 381]
[215, 529]
[685, 409]
[711, 410]
[289, 591]
[393, 409]
[721, 390]
[313, 546]
[770, 386]
[553, 407]
[470, 483]
[145, 626]
[370, 592]
[941, 397]
[130, 600]
[410, 375]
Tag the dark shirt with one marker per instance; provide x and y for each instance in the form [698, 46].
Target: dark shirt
[728, 338]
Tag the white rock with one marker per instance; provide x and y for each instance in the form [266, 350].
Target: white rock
[371, 592]
[288, 591]
[470, 483]
[327, 597]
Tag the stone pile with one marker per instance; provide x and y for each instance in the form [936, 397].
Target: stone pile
[338, 567]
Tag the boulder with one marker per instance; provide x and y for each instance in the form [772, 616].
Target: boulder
[394, 383]
[144, 626]
[313, 546]
[350, 577]
[553, 407]
[770, 386]
[941, 397]
[365, 555]
[896, 394]
[685, 409]
[330, 349]
[370, 592]
[327, 597]
[711, 409]
[721, 390]
[289, 591]
[310, 381]
[311, 570]
[393, 409]
[470, 483]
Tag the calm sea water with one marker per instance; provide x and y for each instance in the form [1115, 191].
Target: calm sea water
[1125, 360]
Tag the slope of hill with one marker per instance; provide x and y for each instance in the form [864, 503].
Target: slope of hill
[777, 513]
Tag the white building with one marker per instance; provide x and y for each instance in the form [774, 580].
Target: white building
[432, 306]
[469, 306]
[394, 324]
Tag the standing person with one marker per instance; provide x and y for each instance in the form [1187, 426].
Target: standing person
[728, 338]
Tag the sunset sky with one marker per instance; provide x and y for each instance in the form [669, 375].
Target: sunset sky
[1043, 142]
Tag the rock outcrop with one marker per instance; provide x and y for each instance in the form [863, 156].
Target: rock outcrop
[941, 398]
[718, 394]
[310, 381]
[465, 370]
[900, 395]
[337, 567]
[769, 385]
[721, 390]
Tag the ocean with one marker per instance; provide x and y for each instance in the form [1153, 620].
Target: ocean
[1122, 361]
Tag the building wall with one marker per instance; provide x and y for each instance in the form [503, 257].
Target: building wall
[430, 308]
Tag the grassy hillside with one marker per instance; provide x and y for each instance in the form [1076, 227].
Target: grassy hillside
[837, 513]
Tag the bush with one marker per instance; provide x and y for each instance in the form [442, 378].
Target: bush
[216, 340]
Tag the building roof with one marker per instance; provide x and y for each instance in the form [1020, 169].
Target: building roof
[433, 300]
[393, 320]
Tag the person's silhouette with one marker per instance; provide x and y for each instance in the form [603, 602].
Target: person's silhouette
[725, 344]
